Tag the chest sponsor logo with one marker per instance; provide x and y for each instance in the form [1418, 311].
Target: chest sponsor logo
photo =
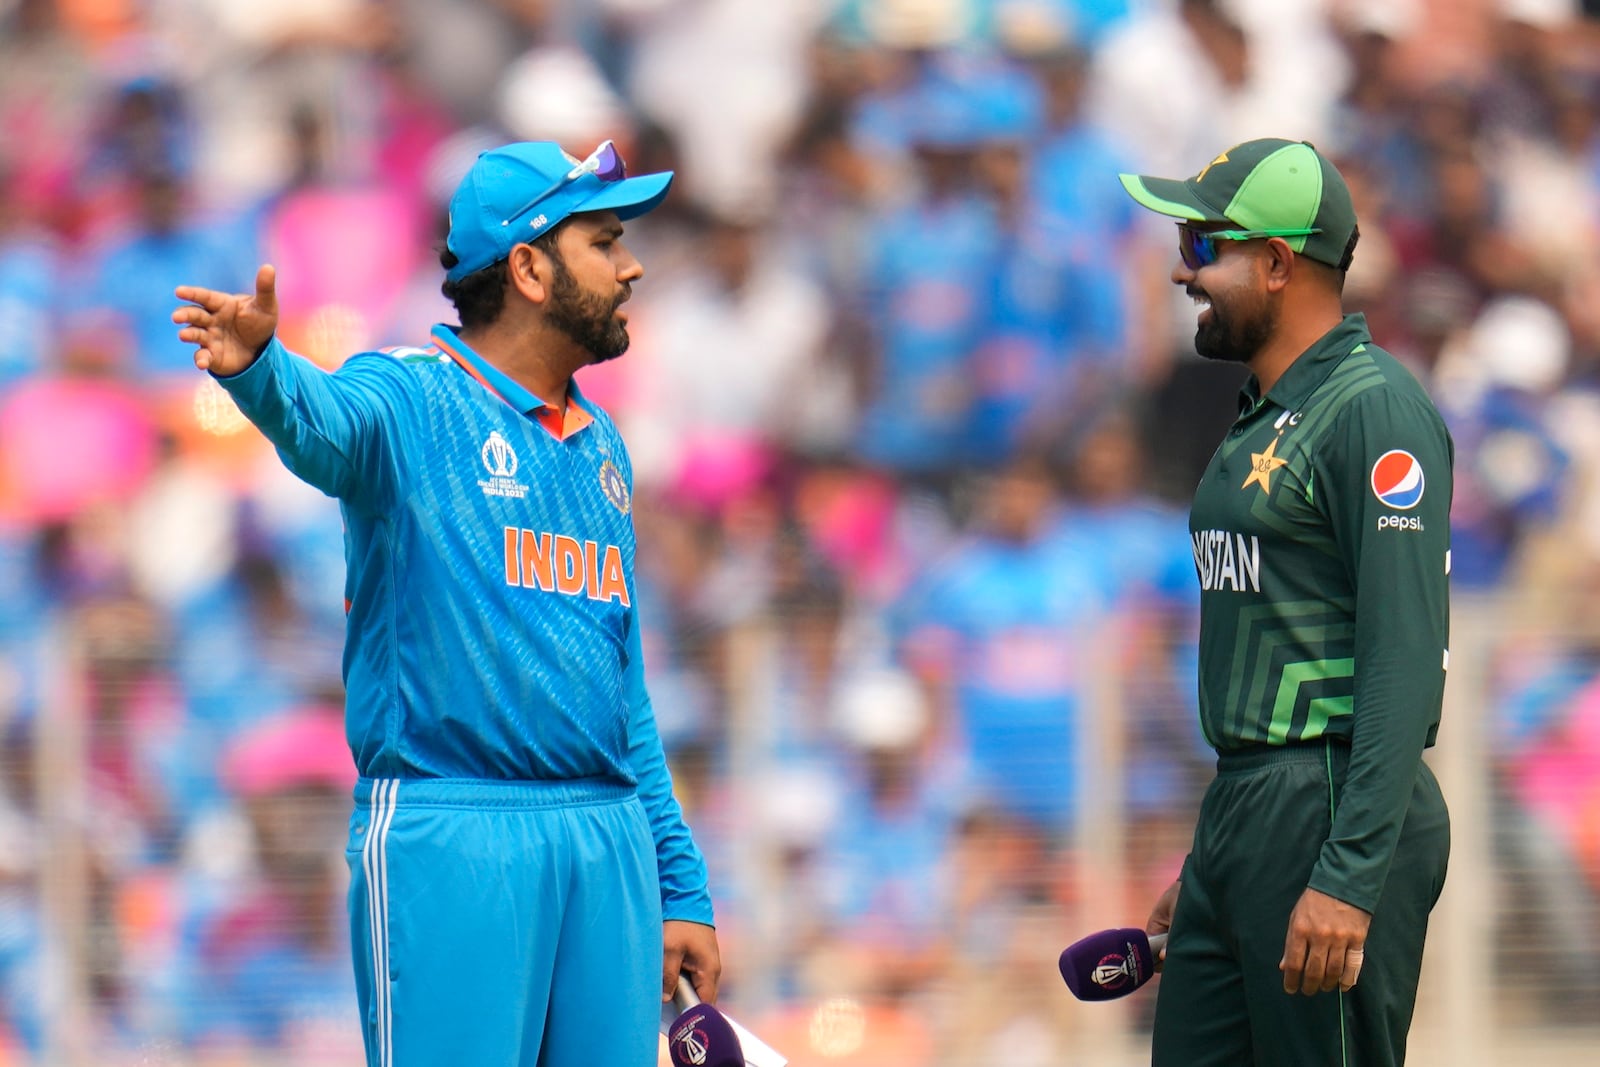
[500, 460]
[1227, 561]
[614, 486]
[556, 563]
[1397, 480]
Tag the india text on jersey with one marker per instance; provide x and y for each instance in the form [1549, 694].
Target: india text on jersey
[557, 563]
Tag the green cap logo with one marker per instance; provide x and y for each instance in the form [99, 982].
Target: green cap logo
[1266, 184]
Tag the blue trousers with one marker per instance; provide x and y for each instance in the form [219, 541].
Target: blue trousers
[508, 923]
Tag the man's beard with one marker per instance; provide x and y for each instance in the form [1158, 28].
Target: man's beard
[1235, 336]
[589, 319]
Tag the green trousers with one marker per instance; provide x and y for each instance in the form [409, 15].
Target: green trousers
[1262, 824]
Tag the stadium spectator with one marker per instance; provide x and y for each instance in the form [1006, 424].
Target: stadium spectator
[162, 244]
[884, 882]
[927, 289]
[999, 629]
[31, 273]
[271, 968]
[734, 339]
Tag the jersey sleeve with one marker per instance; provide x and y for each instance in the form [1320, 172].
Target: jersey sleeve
[684, 891]
[1384, 482]
[334, 431]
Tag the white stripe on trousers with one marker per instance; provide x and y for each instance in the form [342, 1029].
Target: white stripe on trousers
[374, 862]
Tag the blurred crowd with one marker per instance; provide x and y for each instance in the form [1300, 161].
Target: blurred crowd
[914, 416]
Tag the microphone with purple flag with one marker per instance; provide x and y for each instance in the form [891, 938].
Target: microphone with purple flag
[1111, 963]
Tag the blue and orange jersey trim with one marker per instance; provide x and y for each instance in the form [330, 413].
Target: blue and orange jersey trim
[558, 424]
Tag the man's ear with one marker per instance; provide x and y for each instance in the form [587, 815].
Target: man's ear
[1280, 263]
[528, 272]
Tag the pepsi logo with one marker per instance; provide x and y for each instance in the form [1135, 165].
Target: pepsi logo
[1397, 480]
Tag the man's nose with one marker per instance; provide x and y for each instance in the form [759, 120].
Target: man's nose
[630, 269]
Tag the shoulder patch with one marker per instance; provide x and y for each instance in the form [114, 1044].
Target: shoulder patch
[409, 354]
[1397, 480]
[615, 487]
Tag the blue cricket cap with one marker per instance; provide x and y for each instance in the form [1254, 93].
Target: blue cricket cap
[490, 211]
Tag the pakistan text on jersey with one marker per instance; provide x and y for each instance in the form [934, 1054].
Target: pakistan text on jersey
[556, 563]
[1227, 561]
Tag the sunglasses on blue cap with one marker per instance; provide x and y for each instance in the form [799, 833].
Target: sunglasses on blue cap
[1199, 247]
[605, 163]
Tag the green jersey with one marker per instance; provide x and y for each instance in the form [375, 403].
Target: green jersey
[1321, 534]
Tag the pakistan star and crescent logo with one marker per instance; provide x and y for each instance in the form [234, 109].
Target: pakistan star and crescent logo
[1262, 464]
[1223, 158]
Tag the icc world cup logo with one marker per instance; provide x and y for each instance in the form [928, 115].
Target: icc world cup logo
[1117, 969]
[499, 459]
[689, 1044]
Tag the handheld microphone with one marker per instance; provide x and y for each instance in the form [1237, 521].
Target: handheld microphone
[701, 1036]
[1111, 963]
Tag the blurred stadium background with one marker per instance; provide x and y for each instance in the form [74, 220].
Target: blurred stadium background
[915, 420]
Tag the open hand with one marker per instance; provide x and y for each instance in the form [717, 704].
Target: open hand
[228, 330]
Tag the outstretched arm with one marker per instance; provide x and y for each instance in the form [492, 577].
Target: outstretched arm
[332, 430]
[228, 330]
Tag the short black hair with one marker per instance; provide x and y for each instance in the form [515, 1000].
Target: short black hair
[481, 296]
[1350, 249]
[1333, 277]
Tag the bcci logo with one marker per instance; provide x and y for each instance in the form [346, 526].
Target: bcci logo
[614, 486]
[690, 1045]
[500, 460]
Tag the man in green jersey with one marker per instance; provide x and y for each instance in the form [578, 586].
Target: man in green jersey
[1321, 537]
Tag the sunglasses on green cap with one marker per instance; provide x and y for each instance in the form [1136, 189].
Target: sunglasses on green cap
[1199, 247]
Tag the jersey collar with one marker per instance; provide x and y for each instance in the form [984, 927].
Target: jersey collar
[1312, 367]
[560, 425]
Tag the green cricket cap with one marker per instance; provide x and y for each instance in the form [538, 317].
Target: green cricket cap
[1266, 184]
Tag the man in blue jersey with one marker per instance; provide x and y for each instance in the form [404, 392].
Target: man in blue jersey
[524, 887]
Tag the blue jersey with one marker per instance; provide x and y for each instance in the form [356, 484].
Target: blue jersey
[492, 630]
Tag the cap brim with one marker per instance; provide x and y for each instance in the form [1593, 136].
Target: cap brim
[630, 197]
[1169, 196]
